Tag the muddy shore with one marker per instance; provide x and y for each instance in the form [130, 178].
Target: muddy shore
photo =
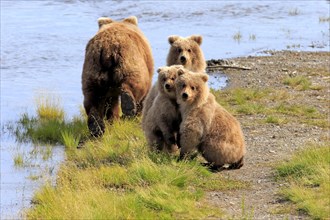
[270, 143]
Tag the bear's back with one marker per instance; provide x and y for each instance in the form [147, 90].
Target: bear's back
[122, 44]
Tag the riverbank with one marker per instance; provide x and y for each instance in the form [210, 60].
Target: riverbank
[282, 103]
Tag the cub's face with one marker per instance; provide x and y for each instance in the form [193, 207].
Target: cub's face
[190, 86]
[185, 51]
[166, 80]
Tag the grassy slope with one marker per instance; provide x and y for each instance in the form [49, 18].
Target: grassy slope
[117, 176]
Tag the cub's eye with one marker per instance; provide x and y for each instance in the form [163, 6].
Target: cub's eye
[164, 79]
[172, 78]
[179, 50]
[189, 50]
[183, 85]
[193, 88]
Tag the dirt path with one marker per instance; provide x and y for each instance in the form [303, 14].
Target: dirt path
[269, 143]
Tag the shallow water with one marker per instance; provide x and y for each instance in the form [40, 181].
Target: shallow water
[43, 43]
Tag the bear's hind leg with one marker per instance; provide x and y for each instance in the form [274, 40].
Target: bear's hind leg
[128, 105]
[112, 108]
[95, 123]
[237, 164]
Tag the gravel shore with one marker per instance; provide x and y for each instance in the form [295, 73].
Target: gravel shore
[270, 143]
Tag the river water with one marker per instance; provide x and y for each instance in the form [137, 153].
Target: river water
[42, 51]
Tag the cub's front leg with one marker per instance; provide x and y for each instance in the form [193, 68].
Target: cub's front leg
[191, 134]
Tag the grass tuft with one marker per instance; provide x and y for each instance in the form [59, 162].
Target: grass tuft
[275, 120]
[252, 37]
[49, 108]
[18, 160]
[294, 12]
[238, 36]
[50, 130]
[69, 139]
[298, 82]
[308, 176]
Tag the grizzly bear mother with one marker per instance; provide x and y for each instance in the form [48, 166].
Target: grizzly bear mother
[118, 68]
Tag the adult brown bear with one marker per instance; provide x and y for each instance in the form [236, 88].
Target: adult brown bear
[118, 68]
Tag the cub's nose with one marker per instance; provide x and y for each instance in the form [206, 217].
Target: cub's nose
[183, 59]
[167, 86]
[184, 96]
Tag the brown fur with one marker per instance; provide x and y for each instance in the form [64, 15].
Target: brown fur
[186, 52]
[118, 63]
[206, 126]
[161, 122]
[194, 59]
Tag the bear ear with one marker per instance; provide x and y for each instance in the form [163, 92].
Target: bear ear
[159, 69]
[132, 20]
[197, 38]
[173, 38]
[180, 71]
[104, 20]
[204, 77]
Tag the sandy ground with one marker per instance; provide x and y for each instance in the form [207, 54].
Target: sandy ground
[268, 144]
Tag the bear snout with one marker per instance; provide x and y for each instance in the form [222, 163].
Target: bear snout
[183, 59]
[184, 96]
[167, 86]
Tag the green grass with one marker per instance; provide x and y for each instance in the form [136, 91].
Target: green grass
[117, 176]
[272, 105]
[18, 160]
[307, 174]
[50, 126]
[275, 120]
[252, 37]
[50, 130]
[298, 82]
[49, 108]
[70, 140]
[237, 36]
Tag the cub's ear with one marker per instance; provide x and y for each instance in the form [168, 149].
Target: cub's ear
[159, 69]
[132, 20]
[180, 71]
[104, 20]
[197, 38]
[173, 38]
[204, 77]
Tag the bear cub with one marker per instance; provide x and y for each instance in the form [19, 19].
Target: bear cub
[185, 51]
[161, 122]
[206, 126]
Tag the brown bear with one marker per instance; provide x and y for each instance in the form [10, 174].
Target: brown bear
[183, 51]
[161, 122]
[118, 68]
[206, 126]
